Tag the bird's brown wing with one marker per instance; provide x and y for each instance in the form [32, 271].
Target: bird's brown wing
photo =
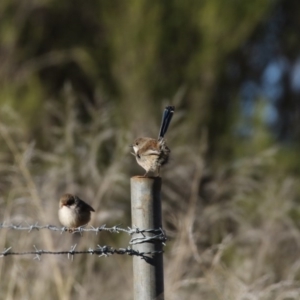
[84, 205]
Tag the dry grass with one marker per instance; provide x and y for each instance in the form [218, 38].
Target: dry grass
[234, 232]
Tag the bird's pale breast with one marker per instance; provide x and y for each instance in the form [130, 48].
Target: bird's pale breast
[67, 217]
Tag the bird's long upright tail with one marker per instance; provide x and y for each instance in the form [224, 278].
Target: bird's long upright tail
[166, 119]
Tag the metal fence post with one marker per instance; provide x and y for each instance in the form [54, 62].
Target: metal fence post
[146, 213]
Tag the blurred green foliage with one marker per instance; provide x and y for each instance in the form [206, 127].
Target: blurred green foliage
[135, 53]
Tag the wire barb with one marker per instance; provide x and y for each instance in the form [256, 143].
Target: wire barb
[4, 253]
[71, 252]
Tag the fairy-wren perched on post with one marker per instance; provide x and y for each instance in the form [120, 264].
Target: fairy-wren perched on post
[151, 153]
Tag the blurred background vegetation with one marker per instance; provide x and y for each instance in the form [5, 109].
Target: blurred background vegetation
[79, 80]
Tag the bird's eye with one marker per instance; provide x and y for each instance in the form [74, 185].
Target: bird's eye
[70, 202]
[136, 143]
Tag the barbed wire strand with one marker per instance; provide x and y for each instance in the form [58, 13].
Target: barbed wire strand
[100, 251]
[159, 234]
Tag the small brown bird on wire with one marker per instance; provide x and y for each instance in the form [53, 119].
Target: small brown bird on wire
[151, 153]
[73, 212]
